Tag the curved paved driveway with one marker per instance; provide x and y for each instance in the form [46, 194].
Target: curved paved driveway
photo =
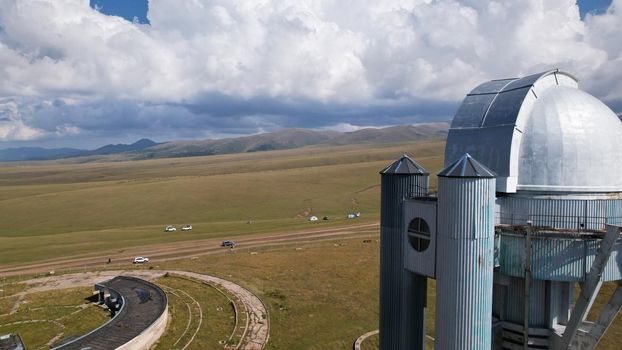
[257, 329]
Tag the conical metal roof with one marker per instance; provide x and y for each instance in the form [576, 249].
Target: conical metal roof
[405, 166]
[467, 166]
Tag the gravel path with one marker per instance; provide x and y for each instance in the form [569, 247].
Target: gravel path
[359, 341]
[257, 329]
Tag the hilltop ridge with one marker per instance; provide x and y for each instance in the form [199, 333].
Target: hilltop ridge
[278, 140]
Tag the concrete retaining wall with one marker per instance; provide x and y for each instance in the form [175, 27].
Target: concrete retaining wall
[149, 336]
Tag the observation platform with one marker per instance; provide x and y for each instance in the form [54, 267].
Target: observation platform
[557, 254]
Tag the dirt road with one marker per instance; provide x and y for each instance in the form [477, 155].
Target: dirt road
[177, 250]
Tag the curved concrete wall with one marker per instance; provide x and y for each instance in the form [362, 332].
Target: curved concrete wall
[103, 337]
[149, 336]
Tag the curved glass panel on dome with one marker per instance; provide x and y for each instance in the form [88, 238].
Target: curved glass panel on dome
[491, 87]
[527, 81]
[487, 144]
[505, 108]
[472, 111]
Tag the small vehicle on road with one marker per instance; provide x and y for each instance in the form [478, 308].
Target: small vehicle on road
[186, 227]
[227, 243]
[141, 260]
[170, 228]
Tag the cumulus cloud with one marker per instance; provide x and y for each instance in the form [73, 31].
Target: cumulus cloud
[12, 127]
[219, 66]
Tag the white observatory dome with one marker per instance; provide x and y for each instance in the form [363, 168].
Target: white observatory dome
[540, 133]
[571, 142]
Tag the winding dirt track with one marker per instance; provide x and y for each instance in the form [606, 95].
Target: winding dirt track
[184, 249]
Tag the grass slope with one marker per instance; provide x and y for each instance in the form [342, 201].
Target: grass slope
[55, 209]
[52, 315]
[322, 296]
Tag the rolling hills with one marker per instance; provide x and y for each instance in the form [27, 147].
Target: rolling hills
[50, 209]
[39, 153]
[278, 140]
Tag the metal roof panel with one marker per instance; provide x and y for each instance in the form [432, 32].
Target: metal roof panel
[405, 166]
[467, 166]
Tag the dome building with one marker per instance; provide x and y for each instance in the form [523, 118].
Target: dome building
[539, 133]
[550, 152]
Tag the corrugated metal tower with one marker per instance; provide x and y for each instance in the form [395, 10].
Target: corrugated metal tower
[465, 236]
[402, 310]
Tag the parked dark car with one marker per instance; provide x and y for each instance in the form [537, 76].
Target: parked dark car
[227, 243]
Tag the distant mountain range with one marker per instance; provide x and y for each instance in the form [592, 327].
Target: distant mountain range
[38, 153]
[282, 139]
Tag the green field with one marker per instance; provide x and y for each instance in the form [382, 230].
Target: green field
[319, 295]
[322, 296]
[195, 308]
[50, 209]
[44, 317]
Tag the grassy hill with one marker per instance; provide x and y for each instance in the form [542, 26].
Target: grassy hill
[283, 139]
[38, 153]
[278, 140]
[52, 209]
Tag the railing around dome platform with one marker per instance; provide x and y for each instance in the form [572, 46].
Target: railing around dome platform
[562, 223]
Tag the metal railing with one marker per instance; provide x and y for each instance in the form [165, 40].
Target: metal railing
[579, 223]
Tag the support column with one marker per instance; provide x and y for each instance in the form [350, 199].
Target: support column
[591, 286]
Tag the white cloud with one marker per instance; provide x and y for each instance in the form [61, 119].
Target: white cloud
[347, 127]
[12, 127]
[323, 52]
[66, 129]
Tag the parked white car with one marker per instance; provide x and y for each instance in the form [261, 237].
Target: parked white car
[186, 227]
[170, 228]
[141, 260]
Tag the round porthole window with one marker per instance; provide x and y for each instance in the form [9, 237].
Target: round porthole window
[419, 234]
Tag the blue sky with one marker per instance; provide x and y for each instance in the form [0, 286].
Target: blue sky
[593, 6]
[71, 75]
[127, 9]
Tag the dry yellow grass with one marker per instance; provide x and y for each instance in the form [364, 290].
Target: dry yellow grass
[49, 210]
